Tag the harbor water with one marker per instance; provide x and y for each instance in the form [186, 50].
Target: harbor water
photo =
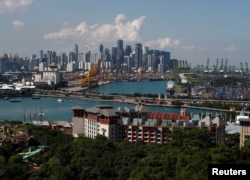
[49, 108]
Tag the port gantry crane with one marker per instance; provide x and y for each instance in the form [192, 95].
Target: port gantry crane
[246, 68]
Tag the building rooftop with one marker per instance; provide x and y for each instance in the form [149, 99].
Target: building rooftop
[232, 128]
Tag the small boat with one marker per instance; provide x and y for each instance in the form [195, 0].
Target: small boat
[15, 100]
[6, 98]
[35, 97]
[59, 100]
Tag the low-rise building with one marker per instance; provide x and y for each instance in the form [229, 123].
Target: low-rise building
[139, 124]
[244, 130]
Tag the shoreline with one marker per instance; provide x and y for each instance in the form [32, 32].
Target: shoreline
[128, 101]
[118, 99]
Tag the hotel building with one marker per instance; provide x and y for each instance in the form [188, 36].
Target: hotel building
[139, 124]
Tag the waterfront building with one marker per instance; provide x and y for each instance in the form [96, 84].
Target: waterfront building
[139, 124]
[50, 76]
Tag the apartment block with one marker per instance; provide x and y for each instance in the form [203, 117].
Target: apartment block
[139, 124]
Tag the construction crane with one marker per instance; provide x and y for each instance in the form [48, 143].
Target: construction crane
[246, 66]
[89, 78]
[225, 67]
[217, 64]
[221, 65]
[241, 66]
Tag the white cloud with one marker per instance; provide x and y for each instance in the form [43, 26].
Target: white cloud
[167, 43]
[231, 48]
[107, 34]
[128, 31]
[17, 24]
[12, 5]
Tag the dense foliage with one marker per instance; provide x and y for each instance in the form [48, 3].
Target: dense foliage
[186, 156]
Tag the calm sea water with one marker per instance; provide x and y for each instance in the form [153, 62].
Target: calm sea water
[28, 109]
[143, 87]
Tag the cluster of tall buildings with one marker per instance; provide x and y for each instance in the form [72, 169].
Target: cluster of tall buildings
[119, 58]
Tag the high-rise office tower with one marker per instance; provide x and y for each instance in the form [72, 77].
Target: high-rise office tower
[145, 50]
[49, 58]
[114, 55]
[119, 45]
[41, 56]
[145, 57]
[75, 53]
[138, 55]
[101, 51]
[101, 48]
[128, 50]
[76, 48]
[107, 56]
[120, 52]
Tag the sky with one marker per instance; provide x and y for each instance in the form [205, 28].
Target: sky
[190, 30]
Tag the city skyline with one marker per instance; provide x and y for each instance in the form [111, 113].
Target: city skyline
[192, 31]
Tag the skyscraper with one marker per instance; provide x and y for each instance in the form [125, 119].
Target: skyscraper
[128, 50]
[76, 49]
[75, 53]
[138, 55]
[101, 51]
[120, 53]
[119, 46]
[41, 56]
[49, 58]
[101, 48]
[114, 55]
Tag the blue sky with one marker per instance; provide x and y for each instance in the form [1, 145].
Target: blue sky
[191, 30]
